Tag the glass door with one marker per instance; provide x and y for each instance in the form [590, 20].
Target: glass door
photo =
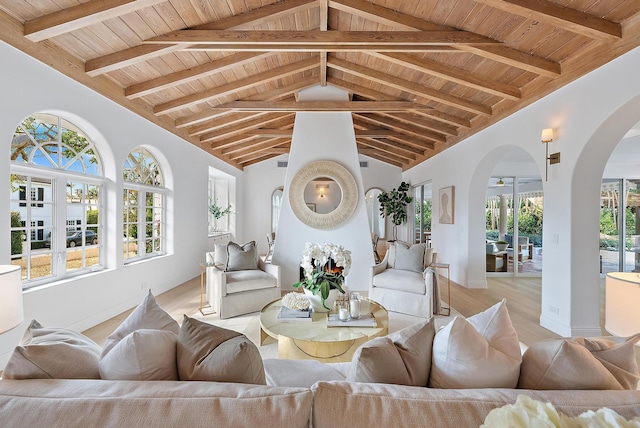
[619, 225]
[422, 213]
[513, 213]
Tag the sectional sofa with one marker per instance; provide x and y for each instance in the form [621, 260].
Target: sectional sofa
[104, 403]
[153, 372]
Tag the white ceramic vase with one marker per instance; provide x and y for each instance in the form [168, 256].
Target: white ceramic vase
[316, 300]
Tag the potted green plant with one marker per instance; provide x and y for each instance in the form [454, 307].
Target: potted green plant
[501, 245]
[393, 204]
[218, 212]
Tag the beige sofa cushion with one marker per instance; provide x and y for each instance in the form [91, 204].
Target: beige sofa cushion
[481, 351]
[301, 373]
[244, 280]
[147, 315]
[610, 363]
[365, 405]
[115, 404]
[402, 357]
[142, 355]
[53, 353]
[208, 352]
[401, 280]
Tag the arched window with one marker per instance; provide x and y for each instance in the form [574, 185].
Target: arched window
[144, 219]
[56, 200]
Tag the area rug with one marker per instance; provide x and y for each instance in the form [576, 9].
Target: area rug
[249, 325]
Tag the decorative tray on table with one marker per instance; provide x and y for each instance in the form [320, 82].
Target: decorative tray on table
[365, 320]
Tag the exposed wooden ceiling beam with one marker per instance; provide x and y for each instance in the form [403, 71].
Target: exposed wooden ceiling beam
[194, 73]
[227, 120]
[295, 106]
[288, 133]
[80, 16]
[271, 119]
[219, 145]
[423, 122]
[243, 21]
[414, 131]
[323, 6]
[562, 17]
[385, 147]
[270, 132]
[452, 122]
[328, 47]
[321, 38]
[267, 96]
[256, 79]
[401, 21]
[235, 152]
[452, 74]
[408, 86]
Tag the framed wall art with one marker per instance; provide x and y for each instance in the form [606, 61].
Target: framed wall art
[447, 205]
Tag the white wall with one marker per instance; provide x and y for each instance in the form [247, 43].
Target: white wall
[590, 117]
[326, 136]
[263, 178]
[27, 87]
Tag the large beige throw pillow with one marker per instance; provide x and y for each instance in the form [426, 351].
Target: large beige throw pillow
[401, 358]
[211, 353]
[409, 257]
[482, 351]
[147, 315]
[581, 363]
[142, 355]
[53, 353]
[241, 257]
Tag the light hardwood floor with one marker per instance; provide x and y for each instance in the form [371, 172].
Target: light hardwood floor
[523, 300]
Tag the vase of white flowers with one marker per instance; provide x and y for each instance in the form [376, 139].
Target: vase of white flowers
[325, 267]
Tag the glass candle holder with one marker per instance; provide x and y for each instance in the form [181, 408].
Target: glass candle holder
[343, 312]
[354, 306]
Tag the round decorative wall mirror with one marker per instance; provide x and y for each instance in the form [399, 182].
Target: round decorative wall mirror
[376, 221]
[331, 194]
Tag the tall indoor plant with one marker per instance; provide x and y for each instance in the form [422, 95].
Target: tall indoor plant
[393, 204]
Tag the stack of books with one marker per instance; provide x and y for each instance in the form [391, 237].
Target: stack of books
[285, 314]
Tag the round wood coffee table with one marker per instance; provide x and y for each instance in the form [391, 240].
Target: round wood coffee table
[313, 340]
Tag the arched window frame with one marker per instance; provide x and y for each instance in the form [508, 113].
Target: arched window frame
[143, 181]
[56, 188]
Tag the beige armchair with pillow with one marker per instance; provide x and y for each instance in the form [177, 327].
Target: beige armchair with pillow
[241, 282]
[403, 281]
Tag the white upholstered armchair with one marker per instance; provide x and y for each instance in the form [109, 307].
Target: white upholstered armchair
[403, 282]
[242, 283]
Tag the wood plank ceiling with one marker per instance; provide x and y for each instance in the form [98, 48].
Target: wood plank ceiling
[224, 74]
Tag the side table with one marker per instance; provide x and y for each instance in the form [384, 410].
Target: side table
[445, 266]
[203, 270]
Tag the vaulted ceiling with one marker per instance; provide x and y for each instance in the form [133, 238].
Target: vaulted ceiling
[225, 74]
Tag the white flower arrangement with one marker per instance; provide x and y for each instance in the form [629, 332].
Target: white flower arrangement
[321, 255]
[294, 300]
[325, 267]
[527, 412]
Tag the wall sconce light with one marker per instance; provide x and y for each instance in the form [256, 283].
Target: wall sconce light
[500, 182]
[554, 158]
[321, 189]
